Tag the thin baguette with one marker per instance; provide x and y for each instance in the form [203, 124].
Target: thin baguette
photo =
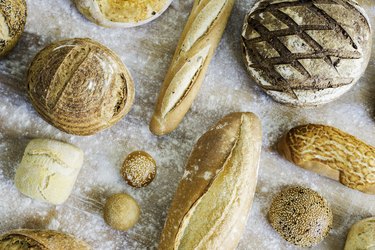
[194, 52]
[213, 199]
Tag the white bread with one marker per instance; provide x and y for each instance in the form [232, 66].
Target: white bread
[213, 200]
[48, 170]
[194, 52]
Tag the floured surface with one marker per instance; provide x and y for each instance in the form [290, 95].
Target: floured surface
[147, 51]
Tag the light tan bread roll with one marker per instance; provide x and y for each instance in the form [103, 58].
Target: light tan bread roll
[361, 235]
[194, 52]
[49, 170]
[213, 200]
[333, 153]
[40, 240]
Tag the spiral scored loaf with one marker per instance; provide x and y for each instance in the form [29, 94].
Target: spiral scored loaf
[333, 153]
[194, 52]
[306, 52]
[121, 14]
[40, 240]
[80, 86]
[212, 202]
[12, 23]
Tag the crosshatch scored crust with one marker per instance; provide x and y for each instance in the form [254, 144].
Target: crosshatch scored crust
[12, 23]
[222, 170]
[80, 86]
[332, 153]
[194, 52]
[306, 52]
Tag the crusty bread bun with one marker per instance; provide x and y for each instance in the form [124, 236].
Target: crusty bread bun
[306, 52]
[212, 202]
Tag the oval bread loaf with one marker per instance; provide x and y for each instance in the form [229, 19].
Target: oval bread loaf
[120, 13]
[40, 240]
[212, 202]
[333, 153]
[194, 52]
[306, 52]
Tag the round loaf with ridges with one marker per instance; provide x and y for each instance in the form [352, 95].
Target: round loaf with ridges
[121, 14]
[306, 52]
[80, 86]
[12, 23]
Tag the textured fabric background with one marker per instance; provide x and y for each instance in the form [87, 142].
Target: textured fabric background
[147, 52]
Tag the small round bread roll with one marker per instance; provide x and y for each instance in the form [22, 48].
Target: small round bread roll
[12, 23]
[301, 216]
[121, 14]
[139, 169]
[121, 212]
[362, 235]
[80, 86]
[306, 52]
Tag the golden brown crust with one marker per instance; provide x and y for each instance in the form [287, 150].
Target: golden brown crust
[41, 240]
[221, 170]
[197, 45]
[306, 52]
[12, 23]
[301, 216]
[80, 86]
[332, 153]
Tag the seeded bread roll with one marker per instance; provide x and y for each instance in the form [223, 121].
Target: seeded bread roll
[333, 153]
[12, 23]
[306, 52]
[212, 202]
[48, 170]
[194, 52]
[121, 14]
[40, 240]
[80, 86]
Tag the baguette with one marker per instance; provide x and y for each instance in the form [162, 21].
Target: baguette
[332, 153]
[40, 240]
[213, 199]
[194, 52]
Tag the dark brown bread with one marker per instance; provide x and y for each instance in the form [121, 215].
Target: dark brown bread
[306, 52]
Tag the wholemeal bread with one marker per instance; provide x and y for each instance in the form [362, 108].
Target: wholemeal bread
[212, 202]
[197, 45]
[40, 240]
[121, 14]
[306, 52]
[333, 153]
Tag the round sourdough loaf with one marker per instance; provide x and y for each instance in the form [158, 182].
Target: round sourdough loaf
[306, 52]
[121, 14]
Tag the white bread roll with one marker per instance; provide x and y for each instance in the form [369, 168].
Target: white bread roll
[48, 170]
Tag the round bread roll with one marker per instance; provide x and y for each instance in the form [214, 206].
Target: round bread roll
[80, 86]
[121, 14]
[139, 169]
[121, 212]
[301, 216]
[306, 52]
[362, 235]
[12, 23]
[23, 239]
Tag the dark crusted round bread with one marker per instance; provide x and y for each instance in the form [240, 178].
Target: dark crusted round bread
[306, 52]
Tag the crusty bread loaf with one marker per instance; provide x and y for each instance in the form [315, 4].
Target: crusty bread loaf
[121, 14]
[332, 153]
[306, 52]
[197, 45]
[212, 202]
[40, 240]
